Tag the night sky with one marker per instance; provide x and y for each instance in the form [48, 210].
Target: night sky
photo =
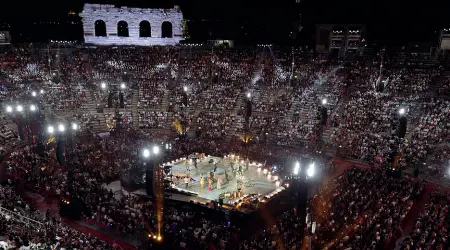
[246, 20]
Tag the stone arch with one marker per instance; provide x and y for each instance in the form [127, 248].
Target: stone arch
[122, 29]
[145, 30]
[100, 28]
[166, 30]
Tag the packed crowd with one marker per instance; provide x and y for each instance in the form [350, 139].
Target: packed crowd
[42, 231]
[361, 209]
[431, 228]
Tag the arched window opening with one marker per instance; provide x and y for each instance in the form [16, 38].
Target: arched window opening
[144, 29]
[166, 30]
[122, 29]
[100, 28]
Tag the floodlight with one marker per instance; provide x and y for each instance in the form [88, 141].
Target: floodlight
[297, 168]
[402, 111]
[33, 93]
[122, 86]
[19, 108]
[74, 126]
[311, 170]
[324, 101]
[42, 91]
[9, 109]
[146, 153]
[32, 107]
[61, 128]
[159, 238]
[103, 85]
[185, 88]
[50, 129]
[155, 150]
[249, 95]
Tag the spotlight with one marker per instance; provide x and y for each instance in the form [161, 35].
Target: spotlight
[185, 88]
[155, 150]
[103, 85]
[42, 91]
[9, 109]
[74, 126]
[19, 108]
[146, 153]
[324, 101]
[61, 128]
[122, 86]
[402, 111]
[297, 168]
[159, 238]
[249, 95]
[311, 170]
[50, 129]
[33, 93]
[32, 107]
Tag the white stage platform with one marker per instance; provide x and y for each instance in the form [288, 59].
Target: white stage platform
[254, 181]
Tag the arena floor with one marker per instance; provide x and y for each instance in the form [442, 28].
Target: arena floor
[254, 182]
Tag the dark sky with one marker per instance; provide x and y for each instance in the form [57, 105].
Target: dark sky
[386, 20]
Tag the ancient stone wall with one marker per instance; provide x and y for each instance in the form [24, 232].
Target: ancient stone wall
[133, 17]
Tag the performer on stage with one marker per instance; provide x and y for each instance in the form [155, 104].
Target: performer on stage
[226, 176]
[240, 169]
[202, 181]
[211, 176]
[215, 165]
[186, 181]
[209, 184]
[219, 182]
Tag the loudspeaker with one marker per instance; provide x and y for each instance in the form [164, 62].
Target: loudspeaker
[302, 200]
[380, 87]
[150, 178]
[402, 127]
[110, 100]
[323, 116]
[248, 108]
[60, 152]
[21, 127]
[121, 101]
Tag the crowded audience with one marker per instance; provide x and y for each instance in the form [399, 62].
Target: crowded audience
[168, 91]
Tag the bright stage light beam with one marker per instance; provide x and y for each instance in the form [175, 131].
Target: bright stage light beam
[61, 128]
[33, 93]
[32, 107]
[402, 111]
[297, 168]
[19, 108]
[9, 109]
[74, 126]
[50, 129]
[155, 150]
[324, 101]
[311, 170]
[146, 153]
